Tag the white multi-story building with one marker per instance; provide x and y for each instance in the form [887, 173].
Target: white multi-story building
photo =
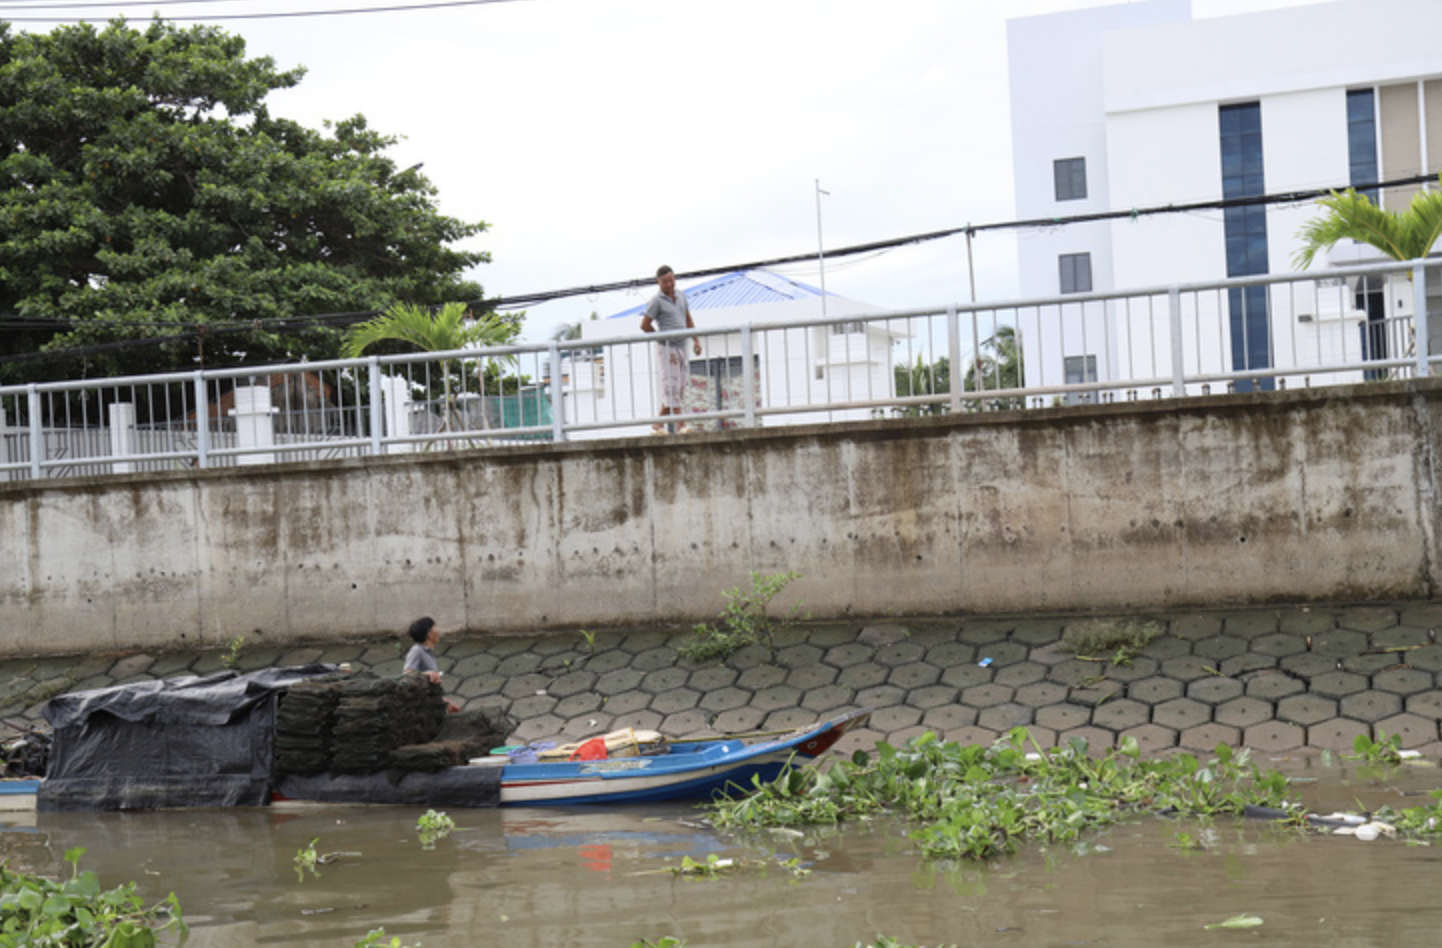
[1141, 106]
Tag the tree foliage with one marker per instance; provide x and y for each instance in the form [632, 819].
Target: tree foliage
[997, 366]
[1401, 235]
[146, 191]
[923, 379]
[452, 327]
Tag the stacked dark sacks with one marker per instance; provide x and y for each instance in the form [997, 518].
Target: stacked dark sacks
[304, 720]
[375, 716]
[463, 736]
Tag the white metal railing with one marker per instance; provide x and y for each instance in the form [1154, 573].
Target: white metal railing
[1342, 326]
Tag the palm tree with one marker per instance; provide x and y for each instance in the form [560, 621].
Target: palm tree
[999, 369]
[923, 379]
[1404, 235]
[451, 327]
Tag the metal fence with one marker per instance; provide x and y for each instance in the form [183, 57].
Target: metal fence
[1268, 333]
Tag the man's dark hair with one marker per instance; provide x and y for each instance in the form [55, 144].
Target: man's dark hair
[662, 270]
[421, 629]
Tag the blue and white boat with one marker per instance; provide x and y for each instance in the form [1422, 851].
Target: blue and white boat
[686, 770]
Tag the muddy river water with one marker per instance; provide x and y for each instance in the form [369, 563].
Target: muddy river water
[599, 879]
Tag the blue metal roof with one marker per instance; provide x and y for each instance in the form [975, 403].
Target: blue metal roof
[741, 288]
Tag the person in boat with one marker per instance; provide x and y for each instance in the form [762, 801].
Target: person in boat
[421, 659]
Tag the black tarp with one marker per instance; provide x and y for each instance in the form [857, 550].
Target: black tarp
[186, 741]
[451, 787]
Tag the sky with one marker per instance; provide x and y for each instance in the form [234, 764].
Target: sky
[599, 139]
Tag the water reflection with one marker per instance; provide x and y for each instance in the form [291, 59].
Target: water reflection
[587, 879]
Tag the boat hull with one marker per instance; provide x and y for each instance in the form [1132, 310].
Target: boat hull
[691, 771]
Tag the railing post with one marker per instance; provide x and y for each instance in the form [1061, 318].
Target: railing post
[37, 436]
[254, 423]
[748, 376]
[377, 412]
[122, 436]
[1179, 358]
[558, 395]
[956, 376]
[202, 421]
[1419, 321]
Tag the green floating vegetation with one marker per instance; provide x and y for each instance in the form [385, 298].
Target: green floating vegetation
[714, 866]
[1384, 751]
[1236, 921]
[78, 913]
[974, 801]
[433, 827]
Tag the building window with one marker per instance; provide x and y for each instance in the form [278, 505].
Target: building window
[1076, 272]
[1071, 178]
[848, 329]
[1362, 139]
[1079, 371]
[1245, 230]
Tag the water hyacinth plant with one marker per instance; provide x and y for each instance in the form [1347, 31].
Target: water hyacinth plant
[974, 801]
[433, 827]
[78, 912]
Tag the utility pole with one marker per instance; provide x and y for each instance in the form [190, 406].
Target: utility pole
[820, 251]
[970, 266]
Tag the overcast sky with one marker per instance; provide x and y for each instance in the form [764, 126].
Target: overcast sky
[601, 138]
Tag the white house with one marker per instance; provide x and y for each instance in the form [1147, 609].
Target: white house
[1139, 105]
[791, 366]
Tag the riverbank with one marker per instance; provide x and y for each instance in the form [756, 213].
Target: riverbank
[1276, 680]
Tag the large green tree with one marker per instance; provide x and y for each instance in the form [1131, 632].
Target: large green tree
[146, 191]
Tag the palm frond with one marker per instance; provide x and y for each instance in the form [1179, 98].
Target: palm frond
[1424, 223]
[1404, 235]
[1350, 216]
[452, 327]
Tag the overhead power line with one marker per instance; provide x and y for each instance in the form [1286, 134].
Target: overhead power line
[1289, 197]
[342, 320]
[350, 11]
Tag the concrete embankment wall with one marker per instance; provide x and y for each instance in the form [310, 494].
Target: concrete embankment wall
[1310, 496]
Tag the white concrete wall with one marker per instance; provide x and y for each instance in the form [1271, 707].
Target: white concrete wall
[1326, 496]
[1327, 45]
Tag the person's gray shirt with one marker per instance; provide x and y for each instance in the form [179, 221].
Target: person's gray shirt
[421, 659]
[667, 316]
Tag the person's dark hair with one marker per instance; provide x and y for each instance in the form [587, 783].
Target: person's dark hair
[662, 270]
[421, 629]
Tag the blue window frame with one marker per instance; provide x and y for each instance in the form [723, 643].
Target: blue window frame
[1245, 230]
[1362, 139]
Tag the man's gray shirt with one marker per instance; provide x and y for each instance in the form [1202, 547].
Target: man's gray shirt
[668, 316]
[421, 659]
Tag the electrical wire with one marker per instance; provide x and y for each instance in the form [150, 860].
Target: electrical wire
[1289, 197]
[398, 8]
[49, 5]
[341, 320]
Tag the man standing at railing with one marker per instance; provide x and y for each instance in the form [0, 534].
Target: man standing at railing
[668, 311]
